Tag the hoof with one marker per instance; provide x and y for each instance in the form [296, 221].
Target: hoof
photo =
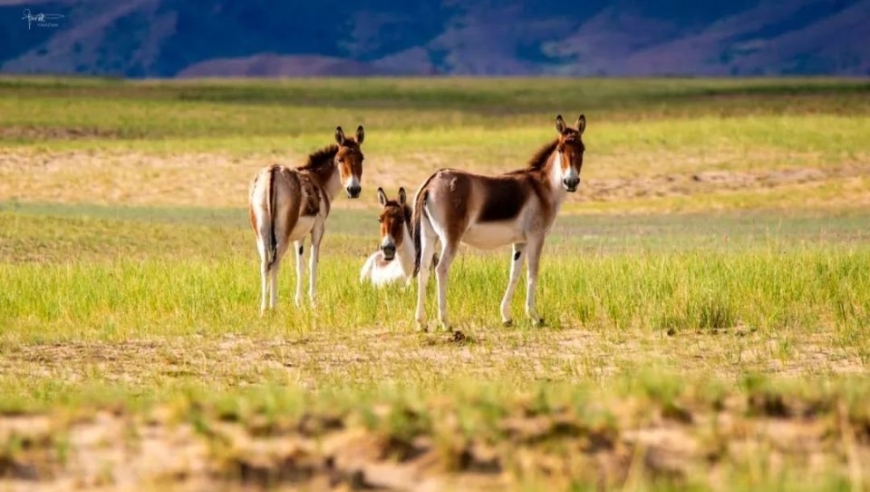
[538, 322]
[507, 323]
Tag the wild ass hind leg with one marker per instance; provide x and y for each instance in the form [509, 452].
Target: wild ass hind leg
[516, 271]
[299, 246]
[427, 252]
[316, 237]
[273, 274]
[273, 288]
[448, 251]
[534, 253]
[264, 277]
[262, 235]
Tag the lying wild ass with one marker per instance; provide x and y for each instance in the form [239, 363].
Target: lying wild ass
[394, 259]
[288, 204]
[488, 212]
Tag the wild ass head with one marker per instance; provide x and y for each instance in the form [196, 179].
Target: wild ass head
[395, 218]
[349, 159]
[569, 152]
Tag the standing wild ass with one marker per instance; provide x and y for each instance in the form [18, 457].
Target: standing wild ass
[487, 212]
[287, 204]
[394, 259]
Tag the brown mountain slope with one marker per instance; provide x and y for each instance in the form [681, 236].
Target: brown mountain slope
[164, 38]
[272, 65]
[833, 44]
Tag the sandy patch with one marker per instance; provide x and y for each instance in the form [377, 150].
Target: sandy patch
[222, 179]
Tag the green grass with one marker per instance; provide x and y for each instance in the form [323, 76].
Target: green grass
[146, 142]
[723, 346]
[764, 289]
[290, 109]
[137, 309]
[185, 273]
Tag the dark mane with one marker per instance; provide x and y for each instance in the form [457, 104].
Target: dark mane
[539, 160]
[320, 158]
[408, 213]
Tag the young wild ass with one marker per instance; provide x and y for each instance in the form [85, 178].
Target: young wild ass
[488, 212]
[288, 204]
[394, 259]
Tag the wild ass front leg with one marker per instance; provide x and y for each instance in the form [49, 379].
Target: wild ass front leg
[300, 269]
[316, 237]
[516, 270]
[534, 254]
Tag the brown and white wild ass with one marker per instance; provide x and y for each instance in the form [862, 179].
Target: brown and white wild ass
[488, 212]
[394, 259]
[287, 204]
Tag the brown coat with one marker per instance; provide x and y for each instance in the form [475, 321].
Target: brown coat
[288, 204]
[516, 208]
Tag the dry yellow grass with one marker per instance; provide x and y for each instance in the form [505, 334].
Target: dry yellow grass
[367, 357]
[639, 182]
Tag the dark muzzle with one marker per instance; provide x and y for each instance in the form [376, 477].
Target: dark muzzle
[571, 183]
[389, 251]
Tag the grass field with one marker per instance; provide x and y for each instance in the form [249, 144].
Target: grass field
[707, 292]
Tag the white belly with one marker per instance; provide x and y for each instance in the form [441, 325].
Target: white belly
[387, 274]
[381, 273]
[302, 228]
[493, 235]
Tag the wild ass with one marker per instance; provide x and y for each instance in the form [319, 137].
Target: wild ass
[488, 212]
[288, 204]
[394, 259]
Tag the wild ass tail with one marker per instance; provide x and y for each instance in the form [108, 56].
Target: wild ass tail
[272, 245]
[417, 219]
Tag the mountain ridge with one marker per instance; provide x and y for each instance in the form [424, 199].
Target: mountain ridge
[231, 38]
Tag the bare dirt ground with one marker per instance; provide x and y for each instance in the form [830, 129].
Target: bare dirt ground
[195, 449]
[145, 179]
[688, 439]
[362, 356]
[711, 181]
[222, 180]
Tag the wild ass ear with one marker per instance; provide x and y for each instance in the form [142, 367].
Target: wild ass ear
[403, 198]
[360, 135]
[339, 135]
[382, 197]
[560, 124]
[581, 124]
